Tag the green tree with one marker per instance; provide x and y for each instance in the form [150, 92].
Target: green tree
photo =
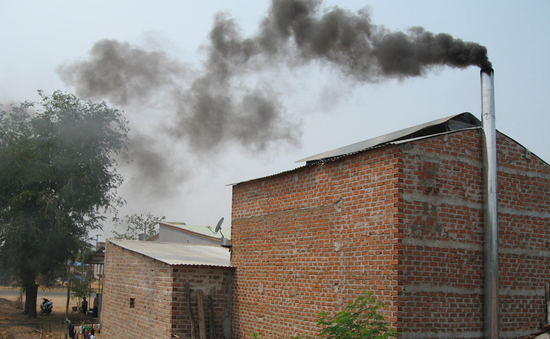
[81, 287]
[137, 224]
[57, 178]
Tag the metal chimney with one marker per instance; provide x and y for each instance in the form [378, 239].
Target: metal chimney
[490, 204]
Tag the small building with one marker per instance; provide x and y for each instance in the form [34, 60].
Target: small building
[97, 259]
[146, 290]
[400, 216]
[180, 232]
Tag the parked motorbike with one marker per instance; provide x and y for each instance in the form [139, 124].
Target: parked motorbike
[46, 306]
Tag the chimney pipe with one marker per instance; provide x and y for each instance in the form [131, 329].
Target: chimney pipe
[491, 320]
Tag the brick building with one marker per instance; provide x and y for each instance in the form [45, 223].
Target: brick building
[400, 216]
[145, 294]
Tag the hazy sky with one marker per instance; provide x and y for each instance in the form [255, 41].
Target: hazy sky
[183, 162]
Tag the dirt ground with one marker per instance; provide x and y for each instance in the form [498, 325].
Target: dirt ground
[15, 325]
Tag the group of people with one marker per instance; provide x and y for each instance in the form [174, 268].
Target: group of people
[84, 307]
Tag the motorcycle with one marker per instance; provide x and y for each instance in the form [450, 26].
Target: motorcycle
[46, 307]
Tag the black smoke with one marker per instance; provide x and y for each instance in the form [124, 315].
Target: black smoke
[122, 73]
[216, 105]
[151, 169]
[361, 49]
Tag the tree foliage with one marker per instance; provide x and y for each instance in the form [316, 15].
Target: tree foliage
[57, 177]
[359, 320]
[137, 224]
[81, 287]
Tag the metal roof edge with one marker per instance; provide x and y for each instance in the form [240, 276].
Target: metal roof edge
[395, 142]
[465, 117]
[403, 141]
[146, 248]
[156, 243]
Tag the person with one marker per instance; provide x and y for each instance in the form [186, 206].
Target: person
[84, 306]
[96, 305]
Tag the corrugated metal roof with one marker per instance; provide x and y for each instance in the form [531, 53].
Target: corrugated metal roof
[178, 254]
[204, 230]
[451, 123]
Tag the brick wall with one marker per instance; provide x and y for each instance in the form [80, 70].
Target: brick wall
[524, 222]
[215, 283]
[314, 239]
[402, 221]
[148, 282]
[441, 248]
[442, 225]
[159, 298]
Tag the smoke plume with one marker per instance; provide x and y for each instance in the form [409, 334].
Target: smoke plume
[217, 105]
[121, 73]
[151, 169]
[361, 49]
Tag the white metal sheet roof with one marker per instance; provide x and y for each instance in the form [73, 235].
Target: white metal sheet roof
[178, 254]
[450, 123]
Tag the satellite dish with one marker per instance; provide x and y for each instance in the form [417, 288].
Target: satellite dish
[219, 227]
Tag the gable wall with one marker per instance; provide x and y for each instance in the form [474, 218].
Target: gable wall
[524, 238]
[314, 239]
[402, 221]
[442, 222]
[148, 282]
[441, 252]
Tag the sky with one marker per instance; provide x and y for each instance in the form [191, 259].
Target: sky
[262, 111]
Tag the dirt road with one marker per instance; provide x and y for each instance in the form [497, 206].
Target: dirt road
[15, 325]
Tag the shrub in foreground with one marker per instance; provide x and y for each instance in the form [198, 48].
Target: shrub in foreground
[359, 320]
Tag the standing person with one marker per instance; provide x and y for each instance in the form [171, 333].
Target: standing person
[84, 305]
[96, 305]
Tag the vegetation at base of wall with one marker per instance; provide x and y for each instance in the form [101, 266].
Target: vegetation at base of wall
[359, 320]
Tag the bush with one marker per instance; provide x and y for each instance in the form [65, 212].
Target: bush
[359, 320]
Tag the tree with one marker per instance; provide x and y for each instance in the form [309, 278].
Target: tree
[81, 287]
[57, 178]
[137, 224]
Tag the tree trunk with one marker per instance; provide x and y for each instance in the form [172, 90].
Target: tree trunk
[68, 299]
[31, 293]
